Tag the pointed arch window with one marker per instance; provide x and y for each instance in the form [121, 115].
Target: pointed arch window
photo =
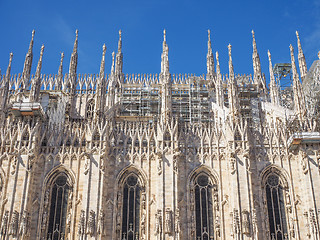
[59, 196]
[276, 207]
[203, 192]
[131, 195]
[90, 109]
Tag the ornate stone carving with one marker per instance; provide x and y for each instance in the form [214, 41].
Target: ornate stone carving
[232, 163]
[177, 223]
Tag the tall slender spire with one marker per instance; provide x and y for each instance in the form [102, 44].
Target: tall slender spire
[103, 62]
[36, 83]
[111, 85]
[60, 74]
[232, 89]
[28, 64]
[302, 59]
[219, 86]
[257, 75]
[274, 90]
[101, 88]
[73, 65]
[166, 86]
[299, 102]
[119, 60]
[5, 90]
[210, 59]
[164, 55]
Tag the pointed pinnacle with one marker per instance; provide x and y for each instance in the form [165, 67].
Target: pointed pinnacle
[229, 48]
[31, 42]
[164, 35]
[112, 66]
[120, 41]
[209, 37]
[217, 57]
[75, 46]
[61, 65]
[9, 66]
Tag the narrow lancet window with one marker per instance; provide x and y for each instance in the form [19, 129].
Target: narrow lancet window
[276, 208]
[203, 208]
[58, 208]
[131, 208]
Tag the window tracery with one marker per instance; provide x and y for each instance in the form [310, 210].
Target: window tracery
[131, 208]
[57, 204]
[203, 206]
[276, 207]
[90, 109]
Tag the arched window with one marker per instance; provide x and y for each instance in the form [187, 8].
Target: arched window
[58, 208]
[276, 207]
[90, 109]
[204, 197]
[131, 194]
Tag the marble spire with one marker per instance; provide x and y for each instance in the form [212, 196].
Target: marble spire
[274, 90]
[232, 89]
[119, 59]
[164, 55]
[5, 91]
[73, 66]
[103, 62]
[36, 83]
[257, 75]
[301, 59]
[60, 72]
[210, 59]
[219, 84]
[299, 102]
[28, 64]
[101, 85]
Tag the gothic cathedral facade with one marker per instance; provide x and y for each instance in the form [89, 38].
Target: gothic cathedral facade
[162, 156]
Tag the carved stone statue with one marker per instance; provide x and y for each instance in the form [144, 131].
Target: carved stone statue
[177, 223]
[168, 222]
[158, 225]
[4, 223]
[24, 224]
[245, 222]
[13, 230]
[100, 227]
[91, 223]
[81, 225]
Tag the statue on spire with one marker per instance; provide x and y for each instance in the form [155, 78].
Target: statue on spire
[210, 60]
[164, 55]
[36, 83]
[274, 90]
[298, 96]
[27, 65]
[301, 59]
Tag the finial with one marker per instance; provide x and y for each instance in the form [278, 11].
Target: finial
[120, 33]
[104, 48]
[252, 33]
[291, 49]
[164, 35]
[209, 37]
[269, 55]
[77, 33]
[120, 42]
[229, 47]
[217, 57]
[62, 56]
[297, 33]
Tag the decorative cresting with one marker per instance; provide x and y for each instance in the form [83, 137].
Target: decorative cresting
[204, 209]
[278, 208]
[131, 208]
[57, 206]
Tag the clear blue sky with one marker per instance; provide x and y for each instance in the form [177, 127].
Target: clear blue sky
[142, 23]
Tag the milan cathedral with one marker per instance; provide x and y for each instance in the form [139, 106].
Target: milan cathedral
[160, 156]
